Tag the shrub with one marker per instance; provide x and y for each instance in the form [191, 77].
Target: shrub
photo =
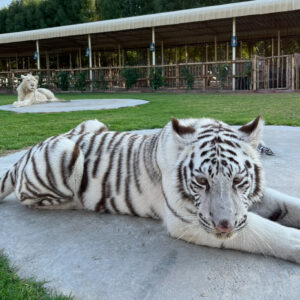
[62, 80]
[188, 78]
[221, 72]
[80, 81]
[130, 76]
[156, 78]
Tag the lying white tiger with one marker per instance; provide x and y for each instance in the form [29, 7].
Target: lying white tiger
[200, 176]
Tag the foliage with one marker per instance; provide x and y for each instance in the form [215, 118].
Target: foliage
[62, 80]
[13, 287]
[188, 78]
[80, 81]
[156, 78]
[102, 82]
[221, 72]
[130, 76]
[34, 14]
[16, 130]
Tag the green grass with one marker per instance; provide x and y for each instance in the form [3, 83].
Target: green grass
[14, 288]
[21, 130]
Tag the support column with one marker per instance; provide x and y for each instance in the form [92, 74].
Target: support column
[241, 50]
[216, 49]
[206, 53]
[233, 54]
[162, 53]
[278, 59]
[186, 54]
[153, 41]
[90, 61]
[273, 63]
[79, 56]
[47, 61]
[227, 51]
[119, 54]
[38, 55]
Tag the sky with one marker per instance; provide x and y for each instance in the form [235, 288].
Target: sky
[4, 3]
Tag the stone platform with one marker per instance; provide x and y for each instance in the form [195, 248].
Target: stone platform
[74, 105]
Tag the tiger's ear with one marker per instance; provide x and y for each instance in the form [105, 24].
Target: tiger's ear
[182, 132]
[36, 77]
[22, 76]
[252, 132]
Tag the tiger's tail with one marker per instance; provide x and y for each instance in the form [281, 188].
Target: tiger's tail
[7, 183]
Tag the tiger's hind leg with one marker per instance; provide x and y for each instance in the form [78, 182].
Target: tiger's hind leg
[279, 207]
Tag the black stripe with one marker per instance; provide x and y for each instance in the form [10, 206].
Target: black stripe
[174, 212]
[114, 205]
[82, 128]
[3, 181]
[75, 154]
[257, 189]
[112, 139]
[99, 153]
[136, 170]
[91, 144]
[128, 199]
[84, 180]
[25, 164]
[63, 171]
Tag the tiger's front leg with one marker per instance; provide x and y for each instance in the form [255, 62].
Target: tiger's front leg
[260, 236]
[279, 207]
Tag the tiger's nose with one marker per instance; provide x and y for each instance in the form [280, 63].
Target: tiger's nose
[224, 226]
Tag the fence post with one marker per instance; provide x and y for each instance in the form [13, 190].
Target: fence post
[293, 72]
[177, 75]
[204, 78]
[254, 73]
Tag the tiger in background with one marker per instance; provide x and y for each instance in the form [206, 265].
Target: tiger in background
[201, 177]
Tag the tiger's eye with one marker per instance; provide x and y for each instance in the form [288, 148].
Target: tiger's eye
[237, 180]
[202, 180]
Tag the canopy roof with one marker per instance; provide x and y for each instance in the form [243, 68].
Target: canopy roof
[161, 19]
[259, 19]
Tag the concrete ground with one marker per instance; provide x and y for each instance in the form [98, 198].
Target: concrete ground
[74, 105]
[96, 256]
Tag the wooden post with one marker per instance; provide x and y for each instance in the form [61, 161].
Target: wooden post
[266, 74]
[216, 49]
[227, 51]
[254, 72]
[206, 52]
[90, 61]
[278, 58]
[233, 54]
[241, 50]
[47, 61]
[293, 72]
[119, 54]
[79, 53]
[70, 60]
[123, 57]
[23, 61]
[38, 55]
[273, 77]
[186, 54]
[204, 77]
[162, 53]
[153, 41]
[287, 73]
[148, 68]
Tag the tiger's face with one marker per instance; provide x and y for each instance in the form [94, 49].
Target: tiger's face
[30, 82]
[218, 173]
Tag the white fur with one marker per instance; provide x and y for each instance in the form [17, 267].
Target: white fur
[29, 93]
[156, 159]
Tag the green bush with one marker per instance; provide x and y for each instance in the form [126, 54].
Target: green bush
[221, 72]
[188, 78]
[130, 76]
[63, 80]
[80, 81]
[156, 78]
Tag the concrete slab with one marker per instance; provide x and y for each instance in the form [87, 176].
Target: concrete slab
[97, 256]
[74, 105]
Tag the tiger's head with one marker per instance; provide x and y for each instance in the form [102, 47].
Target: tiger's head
[217, 174]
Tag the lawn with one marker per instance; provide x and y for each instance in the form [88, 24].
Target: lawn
[14, 288]
[22, 130]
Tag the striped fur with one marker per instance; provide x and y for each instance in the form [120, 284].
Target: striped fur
[200, 176]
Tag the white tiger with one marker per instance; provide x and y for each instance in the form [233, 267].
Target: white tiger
[29, 93]
[201, 177]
